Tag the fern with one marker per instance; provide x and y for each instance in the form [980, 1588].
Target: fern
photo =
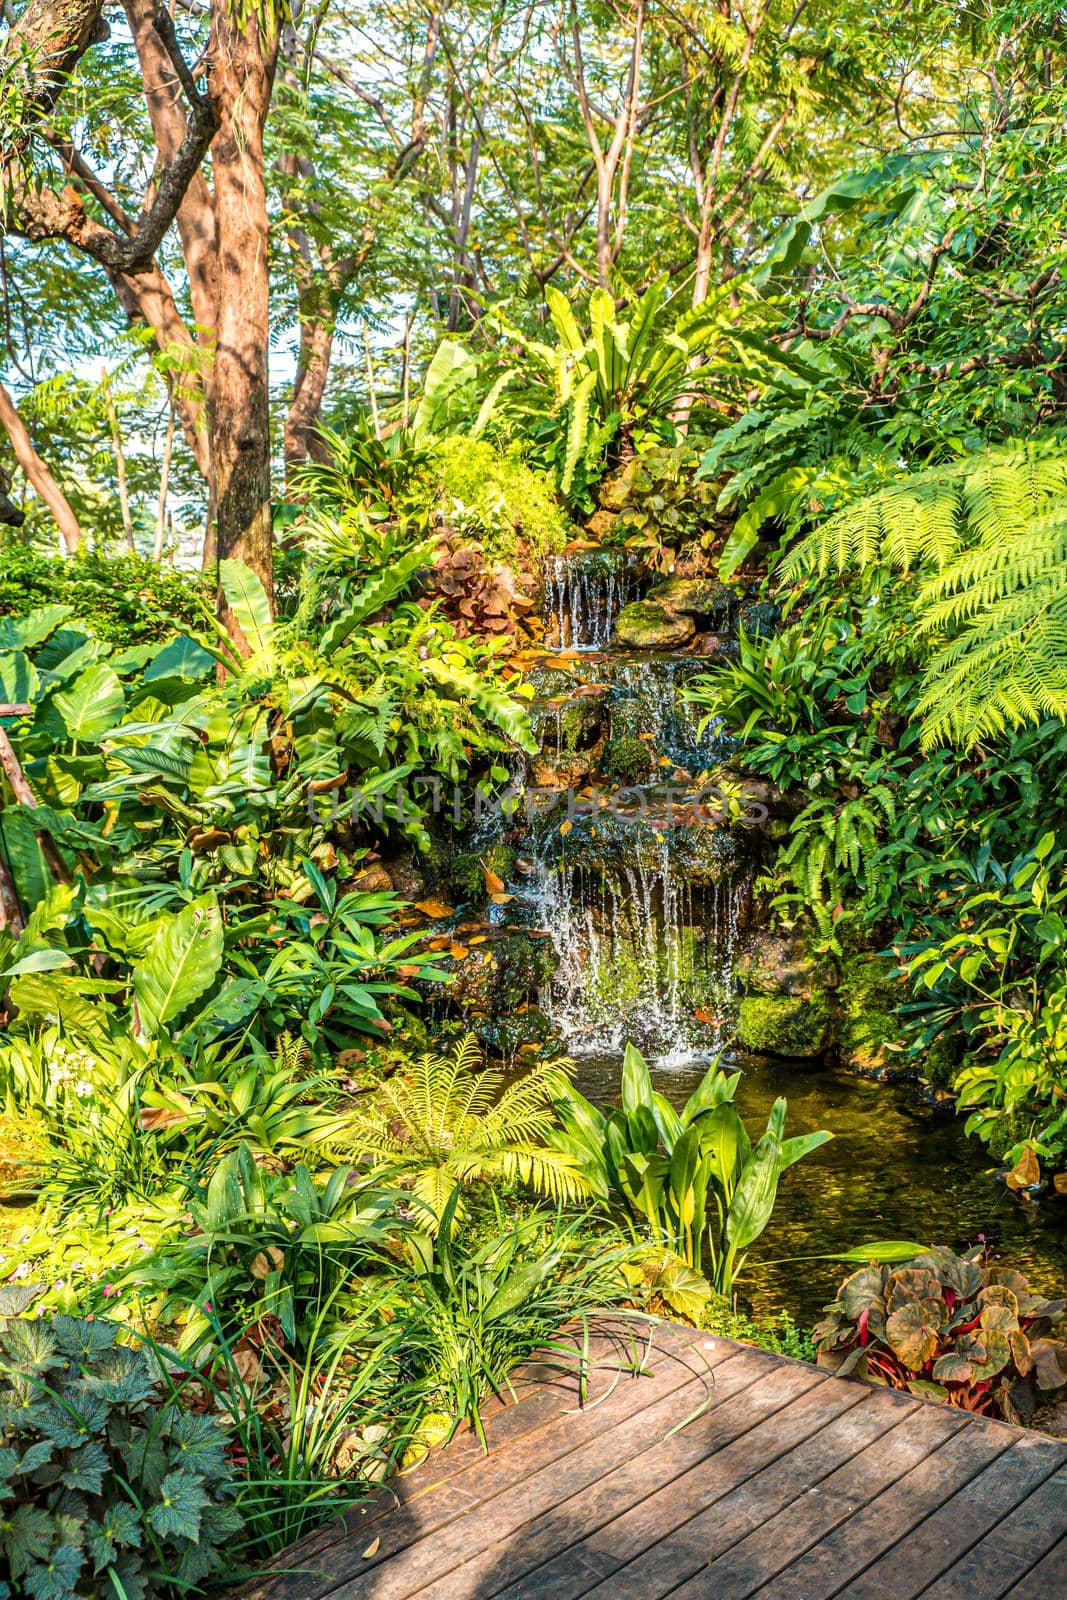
[988, 537]
[449, 1121]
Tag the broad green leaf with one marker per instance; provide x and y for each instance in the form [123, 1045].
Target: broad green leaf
[247, 599]
[93, 704]
[182, 962]
[754, 1196]
[22, 633]
[636, 1081]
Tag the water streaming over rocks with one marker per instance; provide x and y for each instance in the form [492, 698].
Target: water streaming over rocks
[642, 889]
[584, 593]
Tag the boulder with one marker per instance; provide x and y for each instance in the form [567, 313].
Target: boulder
[695, 597]
[647, 625]
[785, 1025]
[782, 964]
[601, 523]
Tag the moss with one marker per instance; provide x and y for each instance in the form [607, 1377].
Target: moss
[466, 871]
[628, 759]
[781, 1025]
[646, 625]
[870, 1031]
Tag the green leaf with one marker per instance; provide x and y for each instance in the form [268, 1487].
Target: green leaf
[93, 704]
[755, 1194]
[183, 961]
[181, 1500]
[248, 601]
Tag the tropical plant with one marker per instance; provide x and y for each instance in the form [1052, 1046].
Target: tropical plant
[662, 1167]
[987, 537]
[994, 967]
[107, 1484]
[946, 1327]
[266, 1248]
[473, 1309]
[448, 1121]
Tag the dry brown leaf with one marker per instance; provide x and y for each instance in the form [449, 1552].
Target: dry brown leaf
[501, 899]
[458, 952]
[1025, 1172]
[494, 885]
[434, 908]
[1059, 1183]
[267, 1261]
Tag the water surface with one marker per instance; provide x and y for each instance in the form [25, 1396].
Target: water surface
[896, 1168]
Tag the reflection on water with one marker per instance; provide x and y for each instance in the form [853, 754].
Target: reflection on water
[895, 1169]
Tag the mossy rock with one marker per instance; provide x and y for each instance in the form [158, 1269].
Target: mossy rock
[647, 625]
[466, 871]
[627, 759]
[759, 617]
[503, 974]
[525, 1036]
[696, 597]
[782, 963]
[783, 1025]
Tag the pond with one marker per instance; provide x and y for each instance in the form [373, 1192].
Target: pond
[895, 1169]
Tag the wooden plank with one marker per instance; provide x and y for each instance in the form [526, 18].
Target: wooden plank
[1049, 1578]
[582, 1457]
[590, 1536]
[738, 1493]
[544, 1389]
[1011, 1548]
[748, 1537]
[863, 1537]
[951, 1530]
[459, 1496]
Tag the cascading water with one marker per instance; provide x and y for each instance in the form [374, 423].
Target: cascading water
[584, 593]
[642, 894]
[643, 957]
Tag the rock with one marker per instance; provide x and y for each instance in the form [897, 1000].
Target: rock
[406, 879]
[374, 879]
[758, 617]
[696, 597]
[525, 1037]
[798, 1028]
[495, 978]
[782, 964]
[647, 625]
[601, 523]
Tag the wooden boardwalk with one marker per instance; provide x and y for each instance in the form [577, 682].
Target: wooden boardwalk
[717, 1472]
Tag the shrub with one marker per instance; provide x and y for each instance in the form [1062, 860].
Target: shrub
[949, 1327]
[503, 500]
[125, 599]
[104, 1489]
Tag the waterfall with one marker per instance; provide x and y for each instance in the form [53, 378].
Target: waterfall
[584, 593]
[643, 955]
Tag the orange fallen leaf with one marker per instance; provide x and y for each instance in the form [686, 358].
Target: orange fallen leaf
[565, 827]
[434, 908]
[494, 885]
[372, 1549]
[501, 899]
[458, 952]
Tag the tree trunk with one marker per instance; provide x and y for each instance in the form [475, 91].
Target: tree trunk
[38, 473]
[242, 58]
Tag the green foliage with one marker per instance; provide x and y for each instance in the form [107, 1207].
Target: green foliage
[497, 499]
[448, 1120]
[988, 537]
[123, 599]
[945, 1327]
[106, 1481]
[667, 505]
[661, 1166]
